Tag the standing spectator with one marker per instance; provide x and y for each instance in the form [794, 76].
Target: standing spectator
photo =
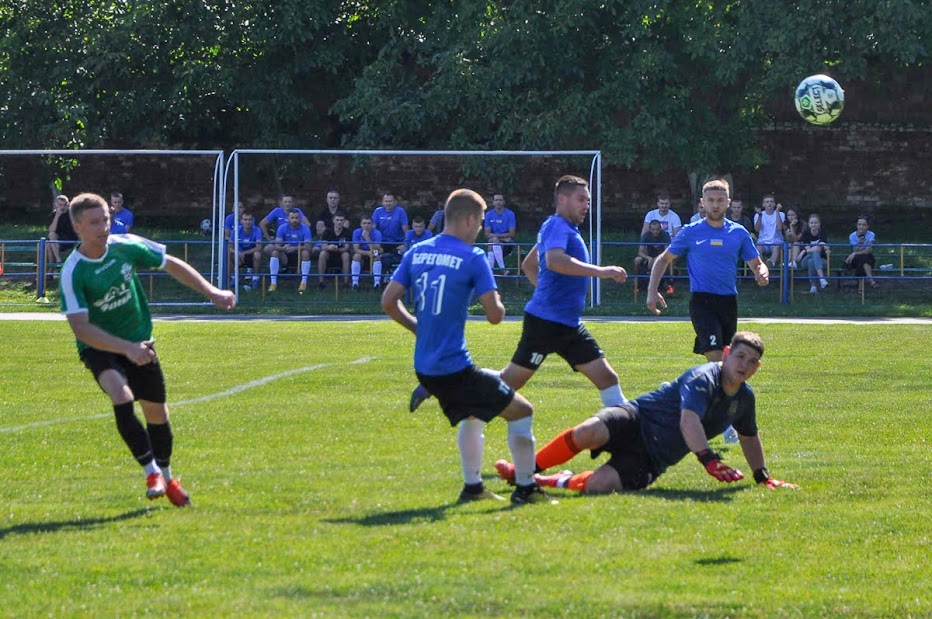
[736, 214]
[417, 233]
[812, 253]
[712, 248]
[669, 221]
[61, 232]
[333, 206]
[248, 252]
[793, 232]
[108, 312]
[366, 246]
[653, 242]
[435, 226]
[658, 429]
[391, 221]
[334, 249]
[768, 223]
[500, 227]
[120, 213]
[444, 273]
[292, 239]
[861, 259]
[278, 217]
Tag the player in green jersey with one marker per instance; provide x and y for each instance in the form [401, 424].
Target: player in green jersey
[108, 312]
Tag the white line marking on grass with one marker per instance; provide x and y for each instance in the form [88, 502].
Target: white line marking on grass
[205, 398]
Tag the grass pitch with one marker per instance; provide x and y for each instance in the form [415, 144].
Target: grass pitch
[316, 494]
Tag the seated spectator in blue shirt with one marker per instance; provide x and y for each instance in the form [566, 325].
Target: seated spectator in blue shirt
[118, 213]
[653, 242]
[436, 221]
[861, 259]
[230, 219]
[366, 246]
[500, 226]
[292, 239]
[248, 250]
[417, 233]
[278, 217]
[391, 221]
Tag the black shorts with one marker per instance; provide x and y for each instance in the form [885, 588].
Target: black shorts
[629, 455]
[145, 381]
[715, 320]
[335, 259]
[541, 337]
[858, 262]
[473, 392]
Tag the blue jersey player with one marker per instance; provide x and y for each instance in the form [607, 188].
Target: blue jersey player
[656, 430]
[443, 273]
[712, 248]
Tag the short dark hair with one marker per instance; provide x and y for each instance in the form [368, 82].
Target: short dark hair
[749, 339]
[567, 184]
[865, 217]
[340, 213]
[85, 202]
[417, 220]
[294, 209]
[462, 203]
[663, 195]
[717, 184]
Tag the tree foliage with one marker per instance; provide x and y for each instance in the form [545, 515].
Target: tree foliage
[653, 84]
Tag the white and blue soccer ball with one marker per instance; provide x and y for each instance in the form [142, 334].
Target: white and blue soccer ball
[206, 225]
[819, 99]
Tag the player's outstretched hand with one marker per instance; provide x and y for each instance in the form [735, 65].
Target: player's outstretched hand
[616, 273]
[773, 484]
[224, 299]
[654, 298]
[722, 472]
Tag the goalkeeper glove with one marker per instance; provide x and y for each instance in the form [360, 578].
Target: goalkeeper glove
[716, 468]
[762, 476]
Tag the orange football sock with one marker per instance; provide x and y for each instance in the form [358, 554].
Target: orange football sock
[559, 450]
[578, 482]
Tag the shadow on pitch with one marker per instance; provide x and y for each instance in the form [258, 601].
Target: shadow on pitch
[718, 495]
[402, 516]
[62, 525]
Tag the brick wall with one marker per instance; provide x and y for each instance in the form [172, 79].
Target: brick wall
[839, 171]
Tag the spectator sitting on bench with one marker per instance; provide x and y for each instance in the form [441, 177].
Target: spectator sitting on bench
[292, 239]
[653, 242]
[813, 252]
[60, 230]
[792, 233]
[861, 259]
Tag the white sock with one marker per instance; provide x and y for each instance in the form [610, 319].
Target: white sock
[471, 442]
[612, 396]
[497, 250]
[491, 258]
[377, 272]
[521, 443]
[356, 269]
[152, 467]
[305, 269]
[167, 473]
[274, 266]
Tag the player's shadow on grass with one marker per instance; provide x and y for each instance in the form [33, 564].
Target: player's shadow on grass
[61, 525]
[716, 495]
[402, 516]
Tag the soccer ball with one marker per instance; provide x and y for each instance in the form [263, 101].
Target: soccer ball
[819, 99]
[206, 225]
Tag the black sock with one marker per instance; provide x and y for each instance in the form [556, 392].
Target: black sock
[474, 488]
[134, 435]
[161, 437]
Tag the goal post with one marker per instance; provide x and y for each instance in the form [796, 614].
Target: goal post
[232, 177]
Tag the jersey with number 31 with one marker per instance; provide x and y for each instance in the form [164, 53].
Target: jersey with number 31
[443, 273]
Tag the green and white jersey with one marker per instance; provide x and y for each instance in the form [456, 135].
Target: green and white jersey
[108, 289]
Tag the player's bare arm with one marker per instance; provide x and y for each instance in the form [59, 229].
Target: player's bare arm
[185, 274]
[654, 298]
[561, 262]
[530, 265]
[392, 305]
[760, 270]
[694, 435]
[492, 304]
[754, 454]
[139, 353]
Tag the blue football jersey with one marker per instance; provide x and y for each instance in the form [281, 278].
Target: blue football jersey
[557, 297]
[712, 255]
[444, 273]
